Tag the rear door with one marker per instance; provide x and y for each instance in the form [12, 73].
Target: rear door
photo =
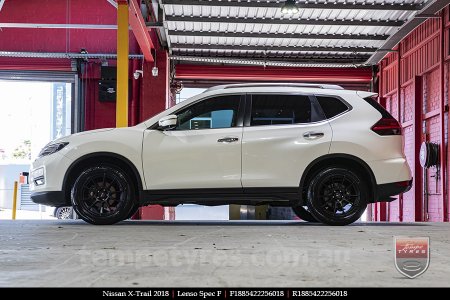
[283, 134]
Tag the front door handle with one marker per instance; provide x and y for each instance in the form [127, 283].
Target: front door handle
[312, 135]
[228, 139]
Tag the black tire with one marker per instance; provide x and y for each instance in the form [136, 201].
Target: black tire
[133, 210]
[63, 213]
[304, 214]
[103, 195]
[337, 196]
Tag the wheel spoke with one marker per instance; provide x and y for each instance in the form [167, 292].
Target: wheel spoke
[352, 196]
[93, 203]
[115, 192]
[349, 202]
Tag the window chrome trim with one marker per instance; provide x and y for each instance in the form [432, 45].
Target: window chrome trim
[314, 106]
[239, 121]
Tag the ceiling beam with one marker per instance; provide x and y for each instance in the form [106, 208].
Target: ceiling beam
[264, 62]
[262, 48]
[271, 55]
[431, 8]
[257, 73]
[188, 19]
[113, 3]
[151, 25]
[301, 5]
[378, 37]
[137, 24]
[286, 59]
[65, 55]
[58, 26]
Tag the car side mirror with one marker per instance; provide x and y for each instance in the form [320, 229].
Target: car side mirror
[168, 122]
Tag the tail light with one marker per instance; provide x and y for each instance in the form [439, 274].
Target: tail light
[387, 126]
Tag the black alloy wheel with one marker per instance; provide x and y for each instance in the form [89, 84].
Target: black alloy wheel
[337, 196]
[103, 195]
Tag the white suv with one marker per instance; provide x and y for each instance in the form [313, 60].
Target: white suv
[323, 150]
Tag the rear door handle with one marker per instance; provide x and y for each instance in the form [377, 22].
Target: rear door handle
[228, 139]
[312, 135]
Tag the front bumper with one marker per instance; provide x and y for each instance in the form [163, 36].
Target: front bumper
[385, 192]
[53, 168]
[50, 198]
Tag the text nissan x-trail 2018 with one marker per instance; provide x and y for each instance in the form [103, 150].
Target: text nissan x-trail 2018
[323, 150]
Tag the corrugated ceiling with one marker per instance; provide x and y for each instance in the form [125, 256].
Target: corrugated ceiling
[324, 31]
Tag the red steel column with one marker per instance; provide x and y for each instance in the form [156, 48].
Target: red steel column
[135, 93]
[155, 90]
[417, 127]
[443, 154]
[383, 205]
[399, 114]
[378, 206]
[154, 99]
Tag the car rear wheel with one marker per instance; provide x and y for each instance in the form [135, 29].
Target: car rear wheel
[304, 214]
[103, 195]
[133, 210]
[337, 196]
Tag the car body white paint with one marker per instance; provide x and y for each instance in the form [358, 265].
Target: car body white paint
[265, 156]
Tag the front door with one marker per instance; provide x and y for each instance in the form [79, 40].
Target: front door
[203, 151]
[283, 134]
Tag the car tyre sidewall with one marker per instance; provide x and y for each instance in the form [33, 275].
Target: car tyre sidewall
[304, 214]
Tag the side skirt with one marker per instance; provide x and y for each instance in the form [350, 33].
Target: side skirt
[213, 197]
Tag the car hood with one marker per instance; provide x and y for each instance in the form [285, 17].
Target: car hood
[92, 131]
[68, 137]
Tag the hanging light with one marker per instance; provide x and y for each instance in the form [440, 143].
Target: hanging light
[155, 70]
[289, 7]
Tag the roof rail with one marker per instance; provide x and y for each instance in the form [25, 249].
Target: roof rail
[250, 85]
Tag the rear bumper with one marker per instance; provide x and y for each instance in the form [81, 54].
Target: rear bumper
[53, 198]
[386, 191]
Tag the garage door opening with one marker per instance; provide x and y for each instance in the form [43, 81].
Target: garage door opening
[33, 113]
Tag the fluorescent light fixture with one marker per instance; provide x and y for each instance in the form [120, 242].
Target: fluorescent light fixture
[289, 7]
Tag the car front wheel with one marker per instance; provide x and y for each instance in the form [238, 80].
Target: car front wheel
[103, 195]
[337, 196]
[304, 214]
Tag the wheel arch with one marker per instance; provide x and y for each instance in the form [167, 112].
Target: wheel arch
[101, 157]
[338, 159]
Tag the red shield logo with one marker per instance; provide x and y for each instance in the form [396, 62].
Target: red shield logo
[412, 255]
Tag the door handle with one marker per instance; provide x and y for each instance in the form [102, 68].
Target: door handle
[227, 140]
[312, 135]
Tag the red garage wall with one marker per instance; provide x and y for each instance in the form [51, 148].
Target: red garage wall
[414, 87]
[148, 96]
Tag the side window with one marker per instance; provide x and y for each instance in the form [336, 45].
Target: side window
[218, 112]
[331, 106]
[280, 109]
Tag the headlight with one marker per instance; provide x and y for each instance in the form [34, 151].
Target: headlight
[52, 148]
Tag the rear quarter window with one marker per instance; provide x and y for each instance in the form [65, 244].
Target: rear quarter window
[331, 106]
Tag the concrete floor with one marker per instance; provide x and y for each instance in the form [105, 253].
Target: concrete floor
[215, 254]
